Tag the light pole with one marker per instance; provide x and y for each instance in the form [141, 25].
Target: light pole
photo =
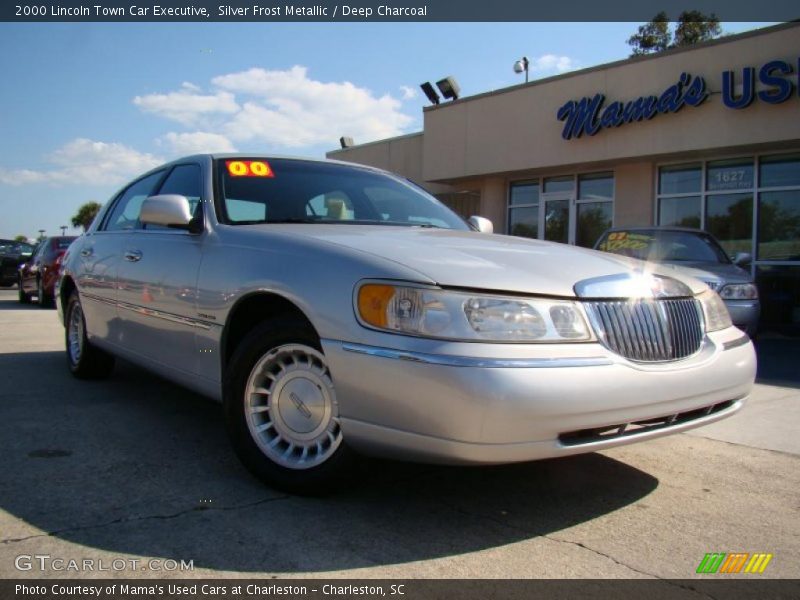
[522, 66]
[41, 234]
[63, 230]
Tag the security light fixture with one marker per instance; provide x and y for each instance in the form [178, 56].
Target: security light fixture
[449, 88]
[346, 142]
[521, 66]
[430, 92]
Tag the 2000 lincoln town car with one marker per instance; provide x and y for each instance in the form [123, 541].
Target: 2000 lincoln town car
[336, 308]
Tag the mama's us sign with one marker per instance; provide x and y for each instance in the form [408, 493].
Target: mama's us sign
[589, 115]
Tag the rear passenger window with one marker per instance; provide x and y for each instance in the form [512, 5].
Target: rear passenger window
[125, 215]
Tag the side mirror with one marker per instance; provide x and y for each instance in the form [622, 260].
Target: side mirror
[742, 259]
[480, 224]
[168, 210]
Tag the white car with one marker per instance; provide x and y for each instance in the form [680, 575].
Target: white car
[336, 309]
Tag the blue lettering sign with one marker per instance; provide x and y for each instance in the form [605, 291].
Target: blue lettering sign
[748, 88]
[781, 87]
[582, 116]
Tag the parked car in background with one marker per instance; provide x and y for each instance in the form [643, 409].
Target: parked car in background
[38, 275]
[696, 253]
[336, 308]
[12, 254]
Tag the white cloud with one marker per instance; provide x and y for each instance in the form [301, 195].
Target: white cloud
[197, 142]
[187, 106]
[85, 162]
[550, 63]
[409, 93]
[283, 108]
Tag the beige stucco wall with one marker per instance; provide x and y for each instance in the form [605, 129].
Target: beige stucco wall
[518, 130]
[486, 142]
[634, 190]
[401, 155]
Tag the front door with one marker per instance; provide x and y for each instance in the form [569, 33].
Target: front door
[558, 220]
[157, 283]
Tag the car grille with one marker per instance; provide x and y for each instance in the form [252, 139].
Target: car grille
[648, 330]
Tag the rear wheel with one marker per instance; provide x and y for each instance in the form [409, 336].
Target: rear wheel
[281, 410]
[44, 300]
[85, 360]
[24, 298]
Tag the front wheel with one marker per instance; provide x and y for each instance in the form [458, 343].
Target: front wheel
[282, 413]
[85, 360]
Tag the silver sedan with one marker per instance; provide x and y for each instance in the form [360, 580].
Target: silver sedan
[337, 309]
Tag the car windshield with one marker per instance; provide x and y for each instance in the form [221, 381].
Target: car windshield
[296, 191]
[664, 246]
[15, 248]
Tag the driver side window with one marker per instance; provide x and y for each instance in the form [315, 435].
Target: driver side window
[125, 215]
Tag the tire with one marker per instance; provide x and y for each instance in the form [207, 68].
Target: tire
[44, 300]
[24, 298]
[281, 411]
[84, 359]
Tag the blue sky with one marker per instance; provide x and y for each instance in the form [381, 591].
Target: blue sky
[86, 107]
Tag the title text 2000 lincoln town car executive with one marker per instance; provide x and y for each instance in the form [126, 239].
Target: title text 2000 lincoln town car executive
[336, 308]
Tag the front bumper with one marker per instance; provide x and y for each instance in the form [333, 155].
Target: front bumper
[531, 402]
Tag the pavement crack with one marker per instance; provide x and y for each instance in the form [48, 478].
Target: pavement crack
[740, 444]
[121, 520]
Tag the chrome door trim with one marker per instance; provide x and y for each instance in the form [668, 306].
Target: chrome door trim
[158, 314]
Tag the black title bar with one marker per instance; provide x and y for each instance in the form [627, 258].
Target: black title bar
[387, 10]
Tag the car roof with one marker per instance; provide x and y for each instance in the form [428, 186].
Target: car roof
[268, 156]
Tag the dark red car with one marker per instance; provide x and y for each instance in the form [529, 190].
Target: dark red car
[38, 275]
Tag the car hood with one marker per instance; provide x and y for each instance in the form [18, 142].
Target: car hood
[491, 262]
[714, 274]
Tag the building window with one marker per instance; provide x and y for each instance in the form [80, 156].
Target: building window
[523, 210]
[568, 209]
[726, 198]
[779, 208]
[594, 207]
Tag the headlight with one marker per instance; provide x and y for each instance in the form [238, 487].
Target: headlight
[471, 317]
[714, 311]
[739, 291]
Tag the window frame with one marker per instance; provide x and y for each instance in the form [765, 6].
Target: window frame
[704, 193]
[573, 196]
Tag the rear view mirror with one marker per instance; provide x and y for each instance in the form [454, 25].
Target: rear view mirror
[742, 259]
[168, 210]
[480, 224]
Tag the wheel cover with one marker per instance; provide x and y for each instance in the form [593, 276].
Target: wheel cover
[75, 331]
[291, 408]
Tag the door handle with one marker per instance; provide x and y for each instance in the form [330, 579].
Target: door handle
[87, 252]
[133, 255]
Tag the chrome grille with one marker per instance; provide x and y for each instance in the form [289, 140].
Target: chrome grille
[648, 330]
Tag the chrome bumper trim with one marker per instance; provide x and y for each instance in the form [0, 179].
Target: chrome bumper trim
[475, 361]
[740, 341]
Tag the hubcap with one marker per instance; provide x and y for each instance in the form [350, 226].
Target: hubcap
[75, 334]
[291, 407]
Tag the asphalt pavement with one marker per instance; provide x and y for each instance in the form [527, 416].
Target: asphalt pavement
[136, 473]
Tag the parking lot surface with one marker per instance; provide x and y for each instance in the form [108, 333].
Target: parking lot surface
[134, 469]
